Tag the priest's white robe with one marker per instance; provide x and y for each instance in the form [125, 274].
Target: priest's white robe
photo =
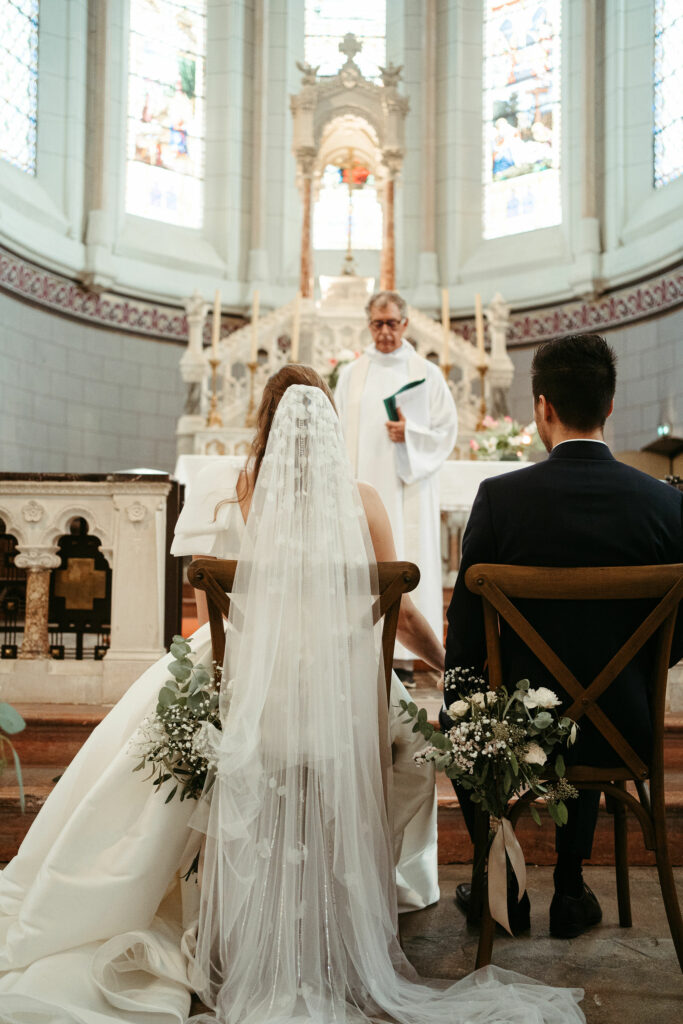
[406, 475]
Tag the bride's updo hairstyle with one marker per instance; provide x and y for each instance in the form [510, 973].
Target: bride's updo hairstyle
[292, 373]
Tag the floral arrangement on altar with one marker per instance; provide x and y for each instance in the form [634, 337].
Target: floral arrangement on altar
[345, 356]
[172, 741]
[499, 746]
[506, 440]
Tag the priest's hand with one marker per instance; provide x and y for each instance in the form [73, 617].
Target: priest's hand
[397, 431]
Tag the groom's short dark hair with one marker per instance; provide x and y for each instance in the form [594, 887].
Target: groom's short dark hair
[578, 376]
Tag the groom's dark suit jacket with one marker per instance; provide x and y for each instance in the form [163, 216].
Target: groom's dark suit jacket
[580, 507]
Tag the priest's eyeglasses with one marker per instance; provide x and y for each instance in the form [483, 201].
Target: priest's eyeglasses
[377, 325]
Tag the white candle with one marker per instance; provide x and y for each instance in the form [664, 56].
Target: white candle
[296, 329]
[254, 325]
[216, 324]
[446, 327]
[479, 322]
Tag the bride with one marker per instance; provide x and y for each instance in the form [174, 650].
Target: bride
[295, 916]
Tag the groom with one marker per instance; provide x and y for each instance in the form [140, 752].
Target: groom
[580, 507]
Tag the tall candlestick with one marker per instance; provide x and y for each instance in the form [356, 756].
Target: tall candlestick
[479, 322]
[254, 326]
[446, 327]
[216, 324]
[296, 330]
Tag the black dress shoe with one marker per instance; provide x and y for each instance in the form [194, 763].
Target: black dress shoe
[519, 911]
[571, 916]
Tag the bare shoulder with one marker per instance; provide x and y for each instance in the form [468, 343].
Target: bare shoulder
[369, 496]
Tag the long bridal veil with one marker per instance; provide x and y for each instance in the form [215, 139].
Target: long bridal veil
[298, 904]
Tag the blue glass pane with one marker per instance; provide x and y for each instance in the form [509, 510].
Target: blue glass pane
[19, 82]
[522, 105]
[166, 110]
[328, 21]
[668, 82]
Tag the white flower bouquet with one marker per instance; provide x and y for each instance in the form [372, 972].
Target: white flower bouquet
[172, 741]
[500, 744]
[505, 439]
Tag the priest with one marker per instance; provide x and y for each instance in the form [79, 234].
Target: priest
[401, 457]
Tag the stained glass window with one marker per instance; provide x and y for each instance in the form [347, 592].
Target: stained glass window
[668, 83]
[340, 209]
[19, 82]
[328, 21]
[166, 110]
[521, 116]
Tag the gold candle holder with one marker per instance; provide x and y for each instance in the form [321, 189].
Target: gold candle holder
[482, 368]
[214, 418]
[446, 371]
[250, 419]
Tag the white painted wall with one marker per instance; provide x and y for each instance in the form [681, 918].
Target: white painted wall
[76, 398]
[649, 381]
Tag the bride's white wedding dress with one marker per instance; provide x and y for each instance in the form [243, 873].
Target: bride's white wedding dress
[295, 918]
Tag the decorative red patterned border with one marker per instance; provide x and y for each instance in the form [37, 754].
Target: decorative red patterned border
[106, 309]
[659, 295]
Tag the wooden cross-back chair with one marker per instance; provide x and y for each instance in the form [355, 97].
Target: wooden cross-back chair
[499, 586]
[216, 577]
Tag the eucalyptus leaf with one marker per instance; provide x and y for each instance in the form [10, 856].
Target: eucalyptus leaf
[534, 814]
[412, 709]
[523, 684]
[422, 716]
[20, 780]
[10, 719]
[562, 813]
[180, 670]
[171, 794]
[543, 719]
[514, 763]
[166, 697]
[179, 650]
[559, 766]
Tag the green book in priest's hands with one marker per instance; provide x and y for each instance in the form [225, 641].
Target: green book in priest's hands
[390, 402]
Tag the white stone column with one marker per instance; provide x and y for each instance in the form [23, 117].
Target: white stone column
[258, 254]
[138, 579]
[427, 292]
[193, 369]
[585, 275]
[99, 271]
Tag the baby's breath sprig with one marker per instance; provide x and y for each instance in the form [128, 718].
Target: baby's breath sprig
[499, 744]
[173, 741]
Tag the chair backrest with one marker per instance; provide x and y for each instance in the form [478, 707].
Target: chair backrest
[216, 577]
[499, 585]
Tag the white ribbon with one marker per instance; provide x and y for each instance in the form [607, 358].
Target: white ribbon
[504, 842]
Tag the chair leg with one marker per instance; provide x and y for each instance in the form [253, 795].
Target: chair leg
[481, 837]
[664, 869]
[621, 861]
[486, 933]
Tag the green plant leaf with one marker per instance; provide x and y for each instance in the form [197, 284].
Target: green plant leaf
[166, 697]
[559, 766]
[10, 719]
[180, 670]
[534, 814]
[171, 794]
[523, 684]
[180, 650]
[543, 719]
[514, 762]
[562, 813]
